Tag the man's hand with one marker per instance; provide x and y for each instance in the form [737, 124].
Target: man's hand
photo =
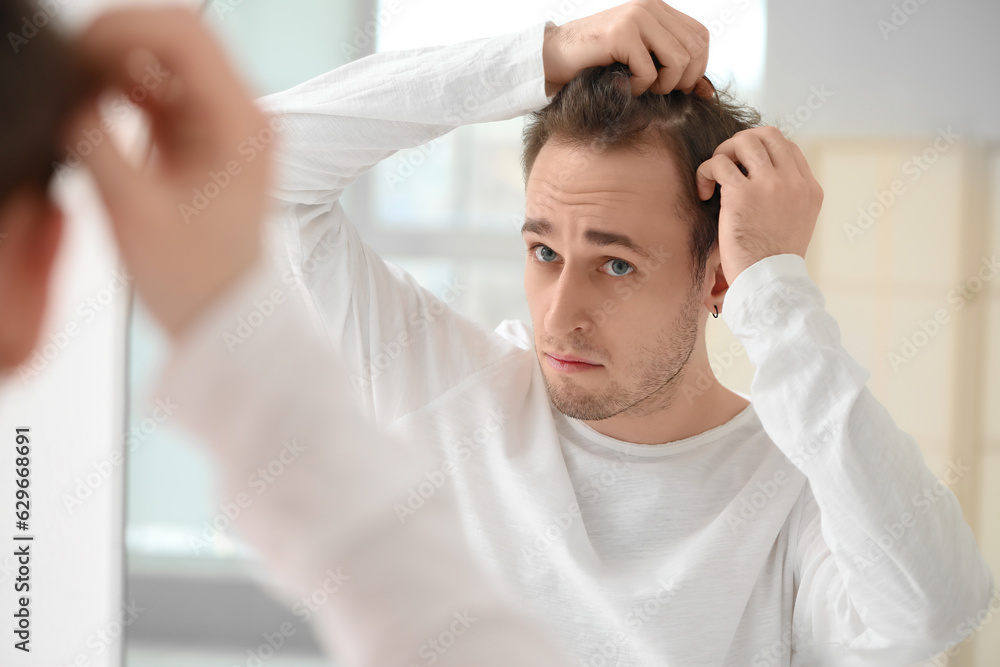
[184, 233]
[772, 210]
[627, 34]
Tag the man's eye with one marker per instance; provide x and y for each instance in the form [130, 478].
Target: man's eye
[619, 267]
[543, 253]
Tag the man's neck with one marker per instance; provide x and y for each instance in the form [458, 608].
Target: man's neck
[697, 403]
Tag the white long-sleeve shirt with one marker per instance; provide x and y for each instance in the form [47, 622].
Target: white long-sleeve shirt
[310, 484]
[807, 530]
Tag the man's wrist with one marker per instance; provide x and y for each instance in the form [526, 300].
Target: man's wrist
[769, 276]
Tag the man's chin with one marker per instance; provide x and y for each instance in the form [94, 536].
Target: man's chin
[584, 411]
[575, 402]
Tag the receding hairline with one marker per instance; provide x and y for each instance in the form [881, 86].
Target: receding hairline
[650, 142]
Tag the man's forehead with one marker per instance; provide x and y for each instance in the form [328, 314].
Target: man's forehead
[643, 153]
[642, 213]
[564, 175]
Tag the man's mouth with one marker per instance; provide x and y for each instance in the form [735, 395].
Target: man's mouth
[567, 363]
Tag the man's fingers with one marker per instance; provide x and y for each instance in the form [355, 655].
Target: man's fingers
[748, 150]
[694, 72]
[640, 63]
[719, 169]
[803, 167]
[800, 162]
[692, 36]
[778, 147]
[697, 29]
[180, 47]
[673, 57]
[704, 88]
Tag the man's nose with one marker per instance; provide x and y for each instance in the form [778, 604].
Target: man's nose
[571, 305]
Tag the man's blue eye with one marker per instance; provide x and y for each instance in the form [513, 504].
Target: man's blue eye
[543, 248]
[620, 267]
[547, 255]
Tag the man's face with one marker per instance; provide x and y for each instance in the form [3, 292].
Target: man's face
[632, 312]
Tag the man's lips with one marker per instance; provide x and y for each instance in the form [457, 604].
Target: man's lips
[567, 363]
[570, 357]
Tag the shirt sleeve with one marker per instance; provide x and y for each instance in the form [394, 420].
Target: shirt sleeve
[886, 567]
[401, 345]
[314, 488]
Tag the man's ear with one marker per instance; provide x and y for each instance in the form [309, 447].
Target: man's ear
[715, 285]
[30, 231]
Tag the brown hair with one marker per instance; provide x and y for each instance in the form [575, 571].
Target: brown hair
[41, 82]
[597, 110]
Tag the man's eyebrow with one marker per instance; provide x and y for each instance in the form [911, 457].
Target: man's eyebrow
[592, 236]
[536, 226]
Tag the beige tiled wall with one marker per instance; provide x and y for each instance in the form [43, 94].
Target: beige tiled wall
[987, 646]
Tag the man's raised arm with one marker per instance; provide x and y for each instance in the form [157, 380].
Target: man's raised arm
[886, 569]
[402, 347]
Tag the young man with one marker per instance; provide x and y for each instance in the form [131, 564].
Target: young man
[380, 593]
[644, 512]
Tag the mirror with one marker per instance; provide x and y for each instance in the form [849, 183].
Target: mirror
[898, 125]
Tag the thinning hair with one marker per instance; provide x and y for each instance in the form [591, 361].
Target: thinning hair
[597, 110]
[41, 83]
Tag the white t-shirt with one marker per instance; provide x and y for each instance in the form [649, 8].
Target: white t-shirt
[807, 530]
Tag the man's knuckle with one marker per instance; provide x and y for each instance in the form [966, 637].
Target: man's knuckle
[703, 33]
[621, 29]
[772, 132]
[634, 10]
